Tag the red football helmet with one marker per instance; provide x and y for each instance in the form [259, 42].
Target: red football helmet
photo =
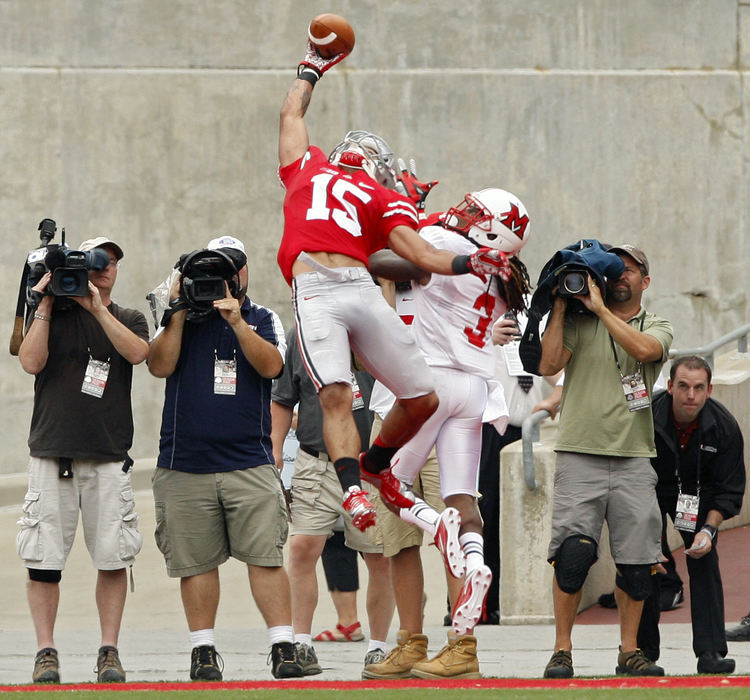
[492, 218]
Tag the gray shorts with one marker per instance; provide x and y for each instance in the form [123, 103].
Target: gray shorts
[590, 489]
[316, 504]
[103, 494]
[203, 519]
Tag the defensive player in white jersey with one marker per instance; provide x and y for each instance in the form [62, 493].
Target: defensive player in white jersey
[337, 211]
[453, 328]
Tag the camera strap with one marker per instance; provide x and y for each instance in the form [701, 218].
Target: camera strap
[174, 306]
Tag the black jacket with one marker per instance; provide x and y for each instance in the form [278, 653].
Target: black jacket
[716, 446]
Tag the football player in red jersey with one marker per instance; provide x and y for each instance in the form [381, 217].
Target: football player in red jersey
[338, 211]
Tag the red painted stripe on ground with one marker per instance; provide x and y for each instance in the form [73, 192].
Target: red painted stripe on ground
[504, 683]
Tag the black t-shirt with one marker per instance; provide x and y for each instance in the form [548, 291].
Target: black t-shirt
[67, 422]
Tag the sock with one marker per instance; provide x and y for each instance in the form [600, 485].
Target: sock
[281, 633]
[303, 639]
[347, 470]
[378, 457]
[201, 638]
[376, 644]
[472, 544]
[421, 515]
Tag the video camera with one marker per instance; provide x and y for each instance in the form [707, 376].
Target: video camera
[204, 274]
[573, 280]
[70, 268]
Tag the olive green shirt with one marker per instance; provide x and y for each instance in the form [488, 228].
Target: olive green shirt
[594, 415]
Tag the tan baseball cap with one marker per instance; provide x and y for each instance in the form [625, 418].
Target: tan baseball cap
[99, 242]
[636, 253]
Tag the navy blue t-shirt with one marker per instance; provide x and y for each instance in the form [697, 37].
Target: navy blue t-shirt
[203, 432]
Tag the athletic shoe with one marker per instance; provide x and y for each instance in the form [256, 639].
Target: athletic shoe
[374, 656]
[458, 659]
[446, 540]
[470, 601]
[206, 664]
[636, 663]
[359, 508]
[395, 494]
[410, 649]
[108, 667]
[560, 665]
[740, 633]
[46, 666]
[307, 659]
[283, 659]
[713, 662]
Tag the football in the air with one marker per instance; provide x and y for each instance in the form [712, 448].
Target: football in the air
[331, 35]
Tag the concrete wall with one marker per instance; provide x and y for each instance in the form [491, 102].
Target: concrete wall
[155, 122]
[525, 523]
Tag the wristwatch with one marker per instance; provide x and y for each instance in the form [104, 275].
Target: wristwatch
[710, 529]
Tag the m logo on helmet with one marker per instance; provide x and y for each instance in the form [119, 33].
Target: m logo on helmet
[517, 224]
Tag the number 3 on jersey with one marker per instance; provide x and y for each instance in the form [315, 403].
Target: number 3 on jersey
[346, 217]
[478, 335]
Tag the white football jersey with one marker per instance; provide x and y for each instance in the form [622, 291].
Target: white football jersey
[455, 313]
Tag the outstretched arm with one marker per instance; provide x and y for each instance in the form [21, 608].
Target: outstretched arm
[293, 138]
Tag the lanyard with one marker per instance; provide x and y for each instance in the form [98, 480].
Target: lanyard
[614, 351]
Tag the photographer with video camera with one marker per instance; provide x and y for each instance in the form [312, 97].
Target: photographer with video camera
[81, 350]
[217, 492]
[612, 354]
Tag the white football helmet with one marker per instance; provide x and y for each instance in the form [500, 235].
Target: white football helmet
[492, 218]
[365, 151]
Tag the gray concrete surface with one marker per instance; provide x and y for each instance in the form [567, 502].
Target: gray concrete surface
[154, 641]
[155, 122]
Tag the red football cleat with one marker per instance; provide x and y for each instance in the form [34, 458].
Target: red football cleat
[395, 494]
[359, 508]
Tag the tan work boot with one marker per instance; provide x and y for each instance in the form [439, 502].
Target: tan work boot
[398, 663]
[458, 659]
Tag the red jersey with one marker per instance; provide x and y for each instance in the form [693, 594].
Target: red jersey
[327, 209]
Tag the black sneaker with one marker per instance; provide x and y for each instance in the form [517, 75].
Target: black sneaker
[108, 667]
[636, 663]
[740, 633]
[206, 664]
[560, 665]
[283, 659]
[713, 662]
[46, 666]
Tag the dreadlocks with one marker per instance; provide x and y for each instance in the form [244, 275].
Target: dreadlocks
[515, 290]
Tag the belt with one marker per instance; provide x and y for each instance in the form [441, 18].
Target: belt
[322, 456]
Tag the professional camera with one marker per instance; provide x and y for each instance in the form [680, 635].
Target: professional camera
[70, 268]
[205, 274]
[573, 280]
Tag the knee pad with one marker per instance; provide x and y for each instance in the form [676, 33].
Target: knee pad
[45, 575]
[634, 579]
[573, 561]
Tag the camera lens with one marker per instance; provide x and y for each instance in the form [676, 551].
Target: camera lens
[574, 282]
[68, 283]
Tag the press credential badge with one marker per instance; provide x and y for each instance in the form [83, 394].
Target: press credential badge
[95, 378]
[686, 516]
